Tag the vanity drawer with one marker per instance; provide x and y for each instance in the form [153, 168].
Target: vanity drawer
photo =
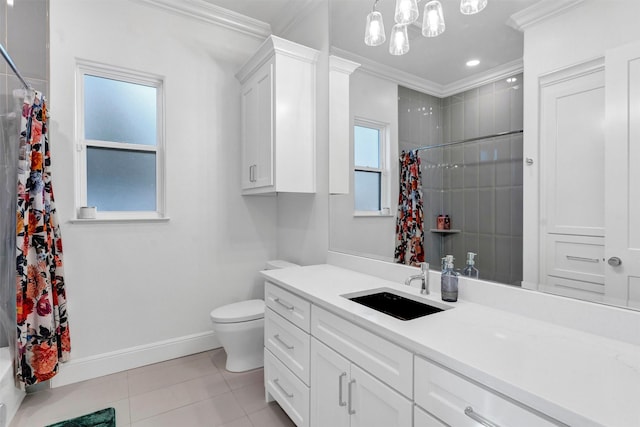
[293, 308]
[576, 257]
[461, 403]
[291, 394]
[288, 343]
[385, 360]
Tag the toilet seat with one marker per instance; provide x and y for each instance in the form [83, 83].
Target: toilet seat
[242, 311]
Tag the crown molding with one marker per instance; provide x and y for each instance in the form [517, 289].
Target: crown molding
[538, 12]
[385, 72]
[480, 79]
[429, 87]
[342, 65]
[279, 46]
[207, 12]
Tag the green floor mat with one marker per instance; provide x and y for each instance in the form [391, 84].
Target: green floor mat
[102, 418]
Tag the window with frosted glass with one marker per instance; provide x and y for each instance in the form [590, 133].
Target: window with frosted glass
[121, 123]
[119, 111]
[368, 168]
[121, 180]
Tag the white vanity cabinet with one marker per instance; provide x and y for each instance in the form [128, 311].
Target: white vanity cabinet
[344, 395]
[278, 115]
[459, 402]
[286, 353]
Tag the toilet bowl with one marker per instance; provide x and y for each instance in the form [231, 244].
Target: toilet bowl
[240, 329]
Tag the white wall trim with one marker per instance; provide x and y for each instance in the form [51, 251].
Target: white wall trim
[207, 12]
[540, 11]
[414, 82]
[87, 368]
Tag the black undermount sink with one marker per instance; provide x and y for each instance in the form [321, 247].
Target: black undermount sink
[395, 305]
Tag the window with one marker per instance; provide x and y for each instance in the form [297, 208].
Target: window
[120, 147]
[371, 175]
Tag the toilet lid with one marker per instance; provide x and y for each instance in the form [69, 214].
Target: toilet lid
[242, 311]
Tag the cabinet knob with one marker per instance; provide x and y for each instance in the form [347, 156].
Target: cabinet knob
[614, 261]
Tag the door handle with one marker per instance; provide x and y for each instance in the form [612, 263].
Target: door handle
[277, 382]
[350, 409]
[469, 412]
[288, 307]
[277, 337]
[614, 261]
[340, 378]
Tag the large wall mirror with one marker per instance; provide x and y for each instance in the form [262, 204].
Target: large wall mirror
[477, 132]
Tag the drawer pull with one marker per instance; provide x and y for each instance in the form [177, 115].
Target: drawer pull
[350, 408]
[289, 395]
[340, 401]
[277, 337]
[469, 412]
[579, 258]
[288, 307]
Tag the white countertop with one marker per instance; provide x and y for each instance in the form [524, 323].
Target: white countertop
[578, 378]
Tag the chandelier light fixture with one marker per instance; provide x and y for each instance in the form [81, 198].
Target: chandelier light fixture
[406, 13]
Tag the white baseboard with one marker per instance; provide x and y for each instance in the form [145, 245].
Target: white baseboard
[76, 370]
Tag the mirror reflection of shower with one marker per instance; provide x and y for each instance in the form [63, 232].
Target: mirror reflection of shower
[478, 183]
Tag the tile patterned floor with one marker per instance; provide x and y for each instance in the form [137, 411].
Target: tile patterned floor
[193, 391]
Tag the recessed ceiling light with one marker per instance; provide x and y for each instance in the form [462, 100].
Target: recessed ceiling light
[512, 80]
[473, 62]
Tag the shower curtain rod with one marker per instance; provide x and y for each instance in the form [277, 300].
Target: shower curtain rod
[478, 138]
[14, 68]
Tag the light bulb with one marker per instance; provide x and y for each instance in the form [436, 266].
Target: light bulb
[433, 19]
[399, 43]
[470, 7]
[374, 32]
[406, 11]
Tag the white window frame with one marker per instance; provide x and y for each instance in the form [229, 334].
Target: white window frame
[384, 169]
[116, 73]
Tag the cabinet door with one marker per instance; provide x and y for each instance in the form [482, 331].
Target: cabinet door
[249, 105]
[263, 168]
[330, 377]
[257, 129]
[622, 165]
[374, 404]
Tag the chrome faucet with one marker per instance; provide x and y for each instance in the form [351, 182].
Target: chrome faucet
[424, 276]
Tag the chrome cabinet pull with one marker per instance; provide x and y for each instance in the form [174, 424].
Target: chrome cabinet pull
[350, 409]
[340, 401]
[276, 382]
[579, 258]
[277, 337]
[255, 173]
[251, 173]
[469, 412]
[288, 307]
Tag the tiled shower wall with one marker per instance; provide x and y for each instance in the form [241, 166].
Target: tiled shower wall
[25, 37]
[478, 184]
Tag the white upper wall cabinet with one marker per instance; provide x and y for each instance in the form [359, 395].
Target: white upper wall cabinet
[278, 101]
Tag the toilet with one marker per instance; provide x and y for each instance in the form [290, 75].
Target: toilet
[240, 329]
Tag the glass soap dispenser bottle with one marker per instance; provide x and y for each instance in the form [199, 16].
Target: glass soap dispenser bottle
[449, 281]
[470, 270]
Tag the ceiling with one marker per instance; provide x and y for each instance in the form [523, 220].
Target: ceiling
[440, 60]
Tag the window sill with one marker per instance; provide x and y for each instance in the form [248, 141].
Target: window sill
[116, 220]
[372, 215]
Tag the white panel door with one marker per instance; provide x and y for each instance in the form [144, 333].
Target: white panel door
[622, 165]
[572, 147]
[374, 404]
[249, 133]
[329, 379]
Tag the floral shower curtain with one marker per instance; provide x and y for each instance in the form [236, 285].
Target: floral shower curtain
[409, 222]
[41, 314]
